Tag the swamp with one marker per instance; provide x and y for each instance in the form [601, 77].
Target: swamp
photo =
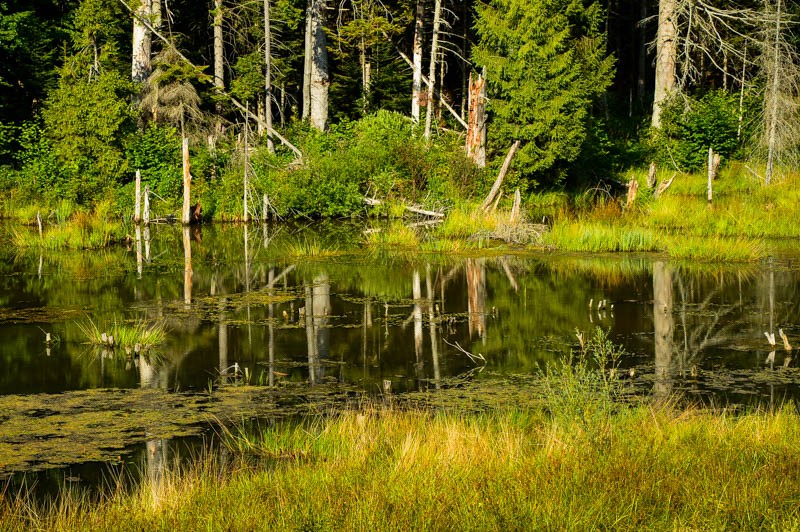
[185, 344]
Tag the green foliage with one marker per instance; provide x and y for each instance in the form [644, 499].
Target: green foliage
[545, 64]
[691, 125]
[40, 171]
[156, 152]
[86, 121]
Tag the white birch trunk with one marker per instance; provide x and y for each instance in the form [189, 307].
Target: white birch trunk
[416, 84]
[320, 80]
[437, 17]
[268, 75]
[307, 61]
[219, 67]
[142, 43]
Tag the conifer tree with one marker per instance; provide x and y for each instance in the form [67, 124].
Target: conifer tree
[546, 64]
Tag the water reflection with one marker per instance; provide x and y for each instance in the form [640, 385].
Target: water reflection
[237, 309]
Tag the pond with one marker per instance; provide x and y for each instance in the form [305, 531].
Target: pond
[270, 321]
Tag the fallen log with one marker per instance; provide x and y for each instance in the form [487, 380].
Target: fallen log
[411, 208]
[487, 203]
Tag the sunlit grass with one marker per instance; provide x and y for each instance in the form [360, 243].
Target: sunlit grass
[310, 247]
[599, 237]
[142, 333]
[382, 468]
[711, 249]
[396, 234]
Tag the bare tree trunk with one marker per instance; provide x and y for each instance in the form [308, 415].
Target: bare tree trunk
[666, 55]
[137, 206]
[219, 66]
[187, 184]
[476, 132]
[142, 43]
[437, 17]
[366, 74]
[773, 105]
[268, 75]
[641, 70]
[307, 62]
[416, 84]
[245, 213]
[320, 81]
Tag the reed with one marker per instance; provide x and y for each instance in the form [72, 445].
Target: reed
[120, 334]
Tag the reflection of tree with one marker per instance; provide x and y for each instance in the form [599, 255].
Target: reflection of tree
[663, 324]
[476, 295]
[318, 304]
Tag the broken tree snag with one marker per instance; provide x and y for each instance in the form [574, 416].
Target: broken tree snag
[710, 173]
[515, 208]
[663, 186]
[651, 176]
[476, 127]
[410, 208]
[487, 203]
[633, 189]
[137, 200]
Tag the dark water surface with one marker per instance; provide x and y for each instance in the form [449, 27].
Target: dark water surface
[266, 306]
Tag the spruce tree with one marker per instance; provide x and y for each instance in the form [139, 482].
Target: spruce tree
[546, 64]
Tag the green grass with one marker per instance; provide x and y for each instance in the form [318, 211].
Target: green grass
[310, 247]
[145, 334]
[599, 237]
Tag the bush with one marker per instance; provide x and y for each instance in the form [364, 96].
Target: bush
[691, 125]
[156, 152]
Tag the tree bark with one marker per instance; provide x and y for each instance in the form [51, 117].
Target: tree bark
[500, 177]
[416, 84]
[437, 17]
[219, 58]
[142, 43]
[307, 62]
[320, 80]
[476, 130]
[268, 75]
[666, 55]
[137, 205]
[773, 104]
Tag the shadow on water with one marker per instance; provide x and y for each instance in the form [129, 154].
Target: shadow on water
[262, 319]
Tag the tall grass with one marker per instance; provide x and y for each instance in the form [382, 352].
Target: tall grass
[598, 237]
[145, 334]
[381, 468]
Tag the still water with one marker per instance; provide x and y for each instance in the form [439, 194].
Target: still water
[310, 308]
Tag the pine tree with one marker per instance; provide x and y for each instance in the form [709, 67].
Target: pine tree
[546, 64]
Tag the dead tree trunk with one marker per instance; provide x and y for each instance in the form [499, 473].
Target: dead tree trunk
[268, 75]
[307, 61]
[416, 84]
[500, 177]
[142, 42]
[320, 80]
[476, 131]
[773, 96]
[219, 67]
[137, 205]
[666, 54]
[437, 18]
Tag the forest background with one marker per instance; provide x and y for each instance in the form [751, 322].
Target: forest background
[310, 106]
